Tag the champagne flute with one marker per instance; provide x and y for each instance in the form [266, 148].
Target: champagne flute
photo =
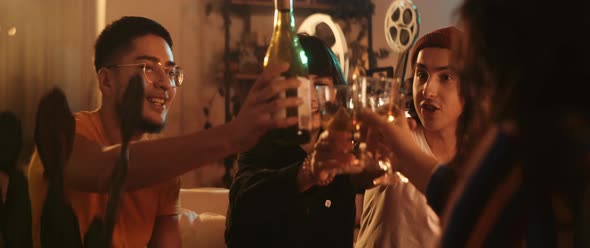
[385, 97]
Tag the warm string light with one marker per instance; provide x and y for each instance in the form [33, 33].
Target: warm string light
[11, 31]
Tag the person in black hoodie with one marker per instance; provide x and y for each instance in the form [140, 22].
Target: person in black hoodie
[275, 199]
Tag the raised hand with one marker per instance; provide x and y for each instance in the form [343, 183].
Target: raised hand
[254, 118]
[333, 155]
[409, 158]
[395, 136]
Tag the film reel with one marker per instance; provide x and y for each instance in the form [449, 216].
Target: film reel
[402, 25]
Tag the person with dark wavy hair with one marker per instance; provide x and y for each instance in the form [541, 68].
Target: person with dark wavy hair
[525, 177]
[396, 213]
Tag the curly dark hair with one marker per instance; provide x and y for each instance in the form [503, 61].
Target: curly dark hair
[117, 37]
[534, 78]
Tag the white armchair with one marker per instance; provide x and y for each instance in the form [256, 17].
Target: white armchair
[202, 219]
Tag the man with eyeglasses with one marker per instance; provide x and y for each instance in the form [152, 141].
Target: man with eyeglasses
[148, 212]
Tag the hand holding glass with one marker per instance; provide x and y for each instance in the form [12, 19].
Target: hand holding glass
[340, 107]
[336, 106]
[385, 97]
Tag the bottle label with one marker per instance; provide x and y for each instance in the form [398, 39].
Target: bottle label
[281, 113]
[304, 111]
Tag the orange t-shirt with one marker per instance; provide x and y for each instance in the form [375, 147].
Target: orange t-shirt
[138, 209]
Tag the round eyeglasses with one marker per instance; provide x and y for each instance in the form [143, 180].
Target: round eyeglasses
[153, 72]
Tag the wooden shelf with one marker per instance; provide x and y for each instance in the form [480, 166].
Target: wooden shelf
[270, 4]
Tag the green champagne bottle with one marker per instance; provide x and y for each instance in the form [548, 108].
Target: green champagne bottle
[285, 47]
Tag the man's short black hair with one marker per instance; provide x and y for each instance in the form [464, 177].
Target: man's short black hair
[117, 37]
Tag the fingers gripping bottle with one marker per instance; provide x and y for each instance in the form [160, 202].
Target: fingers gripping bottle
[285, 47]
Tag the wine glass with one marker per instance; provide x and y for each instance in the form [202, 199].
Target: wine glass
[383, 96]
[339, 112]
